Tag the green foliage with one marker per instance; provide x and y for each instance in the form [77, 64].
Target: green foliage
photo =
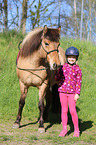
[10, 92]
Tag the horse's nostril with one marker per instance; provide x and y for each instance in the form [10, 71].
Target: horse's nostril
[54, 65]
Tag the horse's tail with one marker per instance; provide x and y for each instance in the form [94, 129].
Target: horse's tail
[19, 51]
[19, 44]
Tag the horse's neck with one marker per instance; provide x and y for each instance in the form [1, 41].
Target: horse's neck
[62, 55]
[37, 60]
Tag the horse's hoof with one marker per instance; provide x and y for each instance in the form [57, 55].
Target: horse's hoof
[41, 130]
[16, 125]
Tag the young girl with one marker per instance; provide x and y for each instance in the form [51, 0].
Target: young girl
[69, 77]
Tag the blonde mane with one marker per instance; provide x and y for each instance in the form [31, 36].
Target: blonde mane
[31, 34]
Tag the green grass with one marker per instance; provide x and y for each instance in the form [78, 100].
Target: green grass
[10, 94]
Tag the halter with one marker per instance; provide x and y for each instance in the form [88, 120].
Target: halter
[49, 51]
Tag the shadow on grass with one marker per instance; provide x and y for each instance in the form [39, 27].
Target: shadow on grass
[83, 125]
[56, 119]
[28, 124]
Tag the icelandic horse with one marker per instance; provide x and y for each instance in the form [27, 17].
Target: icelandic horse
[37, 58]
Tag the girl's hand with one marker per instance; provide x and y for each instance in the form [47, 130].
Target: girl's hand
[76, 97]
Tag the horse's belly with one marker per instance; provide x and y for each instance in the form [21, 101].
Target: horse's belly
[32, 78]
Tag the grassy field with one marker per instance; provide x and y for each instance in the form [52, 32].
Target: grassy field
[10, 94]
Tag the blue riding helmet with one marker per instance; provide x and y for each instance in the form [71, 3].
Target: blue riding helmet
[72, 51]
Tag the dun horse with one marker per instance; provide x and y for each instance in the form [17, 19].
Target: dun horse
[37, 58]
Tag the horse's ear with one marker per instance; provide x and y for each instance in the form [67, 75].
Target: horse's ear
[59, 29]
[45, 29]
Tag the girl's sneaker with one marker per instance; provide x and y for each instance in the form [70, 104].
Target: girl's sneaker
[63, 133]
[76, 133]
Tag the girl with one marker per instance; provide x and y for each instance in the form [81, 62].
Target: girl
[69, 77]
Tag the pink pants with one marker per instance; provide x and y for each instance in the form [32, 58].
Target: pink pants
[66, 99]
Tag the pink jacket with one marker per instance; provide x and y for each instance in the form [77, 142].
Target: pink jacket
[69, 78]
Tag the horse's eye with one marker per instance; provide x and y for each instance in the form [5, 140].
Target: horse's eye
[46, 44]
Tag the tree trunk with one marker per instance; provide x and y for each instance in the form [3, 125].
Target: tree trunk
[87, 35]
[24, 16]
[90, 19]
[94, 10]
[81, 20]
[5, 15]
[75, 17]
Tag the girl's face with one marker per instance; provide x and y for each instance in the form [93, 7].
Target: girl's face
[71, 59]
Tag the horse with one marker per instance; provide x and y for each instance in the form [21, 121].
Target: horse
[38, 58]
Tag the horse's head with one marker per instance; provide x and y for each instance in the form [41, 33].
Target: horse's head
[50, 44]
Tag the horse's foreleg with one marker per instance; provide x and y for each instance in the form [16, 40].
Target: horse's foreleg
[41, 121]
[21, 104]
[48, 98]
[42, 93]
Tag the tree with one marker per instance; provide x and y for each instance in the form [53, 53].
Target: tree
[89, 27]
[40, 13]
[1, 13]
[5, 14]
[75, 18]
[24, 15]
